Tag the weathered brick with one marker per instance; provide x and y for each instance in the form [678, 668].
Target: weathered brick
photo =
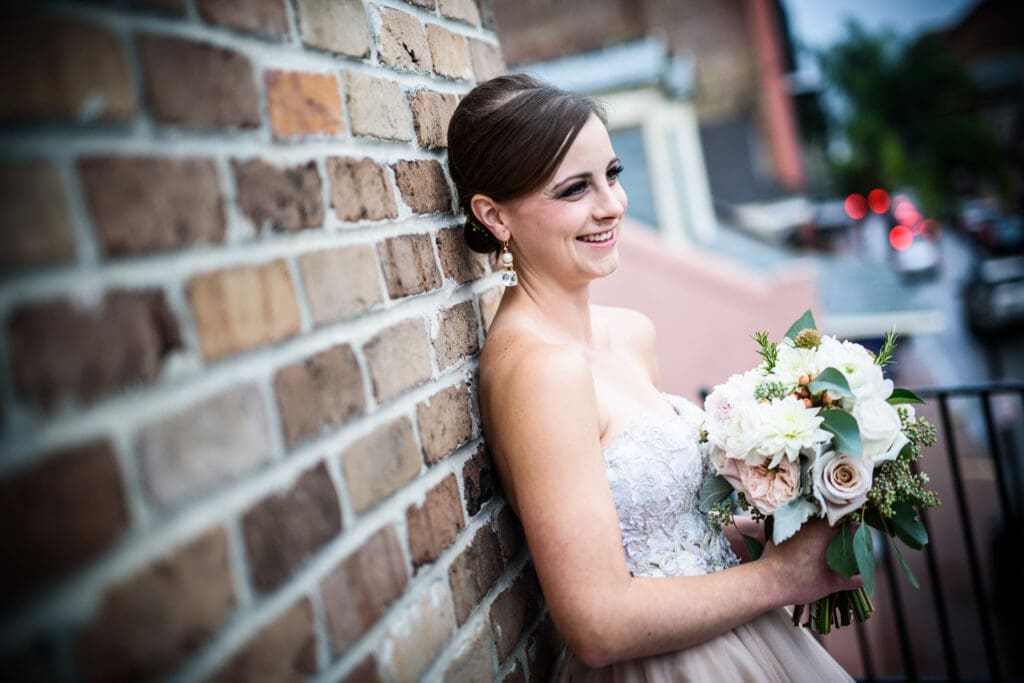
[204, 446]
[423, 185]
[196, 84]
[444, 422]
[285, 528]
[457, 334]
[242, 308]
[285, 198]
[146, 204]
[360, 190]
[284, 650]
[357, 591]
[303, 104]
[428, 4]
[463, 10]
[510, 533]
[321, 391]
[364, 672]
[265, 17]
[478, 480]
[58, 515]
[458, 261]
[120, 343]
[34, 218]
[472, 573]
[376, 465]
[401, 41]
[335, 25]
[489, 302]
[487, 59]
[419, 634]
[398, 358]
[513, 609]
[434, 525]
[431, 112]
[340, 282]
[150, 622]
[409, 265]
[543, 650]
[449, 52]
[487, 19]
[376, 107]
[474, 661]
[65, 69]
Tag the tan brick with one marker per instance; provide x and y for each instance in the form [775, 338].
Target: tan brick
[419, 633]
[473, 572]
[409, 265]
[196, 84]
[199, 449]
[364, 672]
[284, 529]
[284, 650]
[376, 465]
[543, 650]
[149, 623]
[58, 515]
[242, 308]
[457, 334]
[265, 17]
[357, 591]
[510, 533]
[434, 525]
[489, 302]
[340, 283]
[463, 10]
[286, 199]
[474, 661]
[376, 107]
[120, 343]
[321, 391]
[423, 185]
[398, 358]
[487, 60]
[449, 52]
[360, 190]
[458, 261]
[431, 112]
[478, 480]
[513, 609]
[34, 218]
[303, 104]
[145, 204]
[65, 69]
[335, 25]
[444, 422]
[401, 41]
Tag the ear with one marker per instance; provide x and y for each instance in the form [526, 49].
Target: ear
[491, 216]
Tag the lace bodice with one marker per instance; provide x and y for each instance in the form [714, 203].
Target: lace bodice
[655, 469]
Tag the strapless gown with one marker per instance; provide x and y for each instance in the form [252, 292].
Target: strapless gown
[655, 469]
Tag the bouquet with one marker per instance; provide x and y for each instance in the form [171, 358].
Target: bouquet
[817, 431]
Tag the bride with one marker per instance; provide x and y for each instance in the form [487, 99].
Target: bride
[602, 468]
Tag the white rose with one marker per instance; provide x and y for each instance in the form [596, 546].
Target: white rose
[841, 483]
[724, 405]
[858, 367]
[880, 432]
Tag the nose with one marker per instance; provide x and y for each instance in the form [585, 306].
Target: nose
[611, 204]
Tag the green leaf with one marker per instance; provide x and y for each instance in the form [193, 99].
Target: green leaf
[904, 396]
[840, 554]
[754, 546]
[862, 551]
[806, 322]
[713, 490]
[903, 563]
[843, 427]
[907, 527]
[830, 379]
[789, 517]
[874, 519]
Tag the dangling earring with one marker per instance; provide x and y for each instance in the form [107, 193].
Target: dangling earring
[508, 277]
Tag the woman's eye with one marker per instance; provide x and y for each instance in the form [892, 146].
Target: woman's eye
[614, 172]
[574, 189]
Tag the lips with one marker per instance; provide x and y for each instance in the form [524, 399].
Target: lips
[597, 236]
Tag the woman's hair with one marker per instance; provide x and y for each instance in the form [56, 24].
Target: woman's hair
[506, 138]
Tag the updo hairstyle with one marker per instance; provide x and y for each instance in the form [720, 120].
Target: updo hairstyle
[506, 138]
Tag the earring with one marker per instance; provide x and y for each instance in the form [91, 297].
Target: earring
[508, 277]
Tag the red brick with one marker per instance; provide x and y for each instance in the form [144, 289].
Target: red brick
[474, 660]
[120, 343]
[463, 10]
[423, 186]
[419, 633]
[409, 265]
[513, 609]
[510, 533]
[478, 480]
[543, 650]
[321, 391]
[146, 204]
[473, 572]
[457, 337]
[65, 69]
[487, 60]
[449, 52]
[398, 358]
[265, 17]
[34, 218]
[58, 515]
[376, 465]
[340, 282]
[149, 623]
[242, 308]
[431, 112]
[196, 84]
[364, 672]
[284, 650]
[360, 190]
[335, 25]
[287, 199]
[284, 529]
[458, 261]
[434, 525]
[304, 104]
[376, 107]
[357, 591]
[401, 42]
[444, 422]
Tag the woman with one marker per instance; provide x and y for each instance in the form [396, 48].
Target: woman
[601, 467]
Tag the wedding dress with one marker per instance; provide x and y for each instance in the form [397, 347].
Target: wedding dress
[655, 468]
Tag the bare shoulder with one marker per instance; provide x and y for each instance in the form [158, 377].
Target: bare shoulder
[635, 331]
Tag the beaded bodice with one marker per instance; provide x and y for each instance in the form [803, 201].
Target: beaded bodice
[655, 468]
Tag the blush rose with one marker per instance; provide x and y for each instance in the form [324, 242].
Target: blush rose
[842, 482]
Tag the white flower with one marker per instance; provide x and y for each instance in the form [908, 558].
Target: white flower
[856, 364]
[880, 432]
[841, 482]
[723, 405]
[787, 428]
[745, 432]
[793, 362]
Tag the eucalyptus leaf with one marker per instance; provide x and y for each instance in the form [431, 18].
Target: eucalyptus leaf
[907, 526]
[903, 563]
[806, 322]
[904, 396]
[874, 519]
[840, 554]
[830, 379]
[844, 429]
[789, 517]
[862, 551]
[754, 546]
[713, 490]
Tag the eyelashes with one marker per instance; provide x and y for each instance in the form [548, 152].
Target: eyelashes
[579, 187]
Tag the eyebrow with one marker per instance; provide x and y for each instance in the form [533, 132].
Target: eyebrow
[584, 175]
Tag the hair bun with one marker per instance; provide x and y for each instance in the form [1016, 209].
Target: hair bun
[479, 238]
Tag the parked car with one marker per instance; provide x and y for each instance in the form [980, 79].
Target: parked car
[994, 295]
[919, 260]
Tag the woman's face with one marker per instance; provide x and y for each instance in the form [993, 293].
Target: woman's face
[569, 227]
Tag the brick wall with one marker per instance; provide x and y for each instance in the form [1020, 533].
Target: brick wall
[239, 338]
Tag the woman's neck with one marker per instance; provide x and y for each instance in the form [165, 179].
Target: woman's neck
[563, 310]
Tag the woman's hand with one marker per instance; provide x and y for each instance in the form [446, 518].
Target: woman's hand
[800, 563]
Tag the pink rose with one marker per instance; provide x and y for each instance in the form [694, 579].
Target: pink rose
[843, 482]
[769, 487]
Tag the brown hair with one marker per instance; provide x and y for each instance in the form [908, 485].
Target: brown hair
[506, 138]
